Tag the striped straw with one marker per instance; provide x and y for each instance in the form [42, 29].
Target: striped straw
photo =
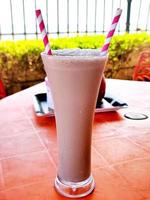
[43, 32]
[110, 34]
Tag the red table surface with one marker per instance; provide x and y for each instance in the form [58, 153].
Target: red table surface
[120, 148]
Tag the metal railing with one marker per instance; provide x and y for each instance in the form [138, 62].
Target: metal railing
[71, 17]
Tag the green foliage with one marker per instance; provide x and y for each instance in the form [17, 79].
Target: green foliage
[122, 45]
[19, 52]
[27, 52]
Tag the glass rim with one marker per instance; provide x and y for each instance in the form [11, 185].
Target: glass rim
[76, 53]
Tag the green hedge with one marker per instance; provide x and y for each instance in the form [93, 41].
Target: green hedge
[27, 51]
[21, 65]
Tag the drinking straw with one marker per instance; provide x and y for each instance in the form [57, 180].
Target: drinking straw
[43, 32]
[110, 34]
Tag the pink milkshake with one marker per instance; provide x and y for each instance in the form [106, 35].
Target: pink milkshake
[74, 77]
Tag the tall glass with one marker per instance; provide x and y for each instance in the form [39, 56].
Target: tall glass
[74, 77]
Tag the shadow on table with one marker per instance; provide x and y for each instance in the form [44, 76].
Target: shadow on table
[107, 117]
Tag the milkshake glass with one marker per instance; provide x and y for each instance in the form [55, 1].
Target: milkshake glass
[74, 78]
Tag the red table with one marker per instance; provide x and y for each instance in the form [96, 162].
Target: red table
[120, 150]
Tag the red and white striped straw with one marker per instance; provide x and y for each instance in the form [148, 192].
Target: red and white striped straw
[110, 34]
[43, 32]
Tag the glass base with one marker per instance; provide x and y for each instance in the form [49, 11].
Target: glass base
[74, 189]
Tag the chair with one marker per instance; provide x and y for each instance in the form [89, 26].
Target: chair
[142, 69]
[2, 90]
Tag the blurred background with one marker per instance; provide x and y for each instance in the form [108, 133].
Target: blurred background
[72, 24]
